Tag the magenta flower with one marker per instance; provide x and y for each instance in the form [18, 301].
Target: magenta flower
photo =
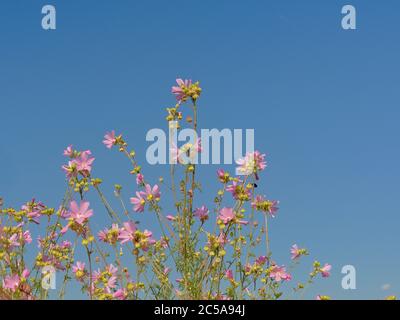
[325, 270]
[127, 232]
[179, 91]
[138, 202]
[139, 179]
[261, 260]
[229, 275]
[278, 273]
[11, 282]
[226, 215]
[109, 139]
[202, 213]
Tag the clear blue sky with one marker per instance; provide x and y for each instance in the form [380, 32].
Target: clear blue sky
[324, 104]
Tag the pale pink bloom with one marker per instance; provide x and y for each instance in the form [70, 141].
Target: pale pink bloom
[127, 232]
[279, 273]
[151, 193]
[325, 270]
[251, 163]
[226, 215]
[178, 91]
[273, 209]
[27, 237]
[222, 239]
[111, 282]
[66, 244]
[120, 294]
[166, 271]
[318, 297]
[84, 162]
[109, 139]
[171, 217]
[14, 240]
[25, 274]
[229, 275]
[70, 170]
[80, 214]
[295, 251]
[202, 213]
[69, 152]
[138, 202]
[221, 175]
[150, 241]
[33, 210]
[139, 179]
[96, 275]
[11, 282]
[79, 266]
[236, 189]
[112, 269]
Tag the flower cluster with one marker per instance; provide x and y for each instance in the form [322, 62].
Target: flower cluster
[221, 250]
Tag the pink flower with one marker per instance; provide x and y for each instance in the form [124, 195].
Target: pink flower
[325, 270]
[84, 162]
[251, 163]
[79, 270]
[138, 202]
[202, 213]
[11, 282]
[14, 240]
[27, 237]
[222, 239]
[120, 294]
[149, 241]
[226, 215]
[128, 232]
[139, 179]
[69, 152]
[261, 260]
[78, 214]
[151, 193]
[222, 176]
[262, 204]
[229, 275]
[170, 217]
[237, 189]
[25, 274]
[70, 170]
[279, 273]
[179, 91]
[109, 139]
[295, 251]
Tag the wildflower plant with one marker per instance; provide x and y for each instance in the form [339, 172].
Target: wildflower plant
[203, 250]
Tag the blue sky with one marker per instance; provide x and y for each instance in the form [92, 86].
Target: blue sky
[324, 103]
